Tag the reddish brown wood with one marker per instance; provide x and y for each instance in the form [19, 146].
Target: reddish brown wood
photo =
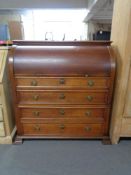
[63, 112]
[62, 97]
[62, 82]
[62, 129]
[62, 89]
[65, 60]
[59, 43]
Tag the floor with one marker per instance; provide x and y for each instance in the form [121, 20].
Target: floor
[57, 157]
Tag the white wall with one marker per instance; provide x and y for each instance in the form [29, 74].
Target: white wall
[8, 4]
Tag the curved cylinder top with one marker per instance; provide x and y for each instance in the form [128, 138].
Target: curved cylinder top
[69, 59]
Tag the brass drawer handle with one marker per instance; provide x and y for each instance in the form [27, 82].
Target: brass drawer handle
[89, 98]
[62, 112]
[36, 113]
[37, 128]
[88, 113]
[90, 83]
[62, 126]
[33, 83]
[62, 81]
[62, 96]
[35, 97]
[88, 128]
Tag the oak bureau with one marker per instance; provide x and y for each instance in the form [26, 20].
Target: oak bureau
[62, 90]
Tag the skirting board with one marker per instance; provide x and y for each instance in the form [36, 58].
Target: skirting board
[8, 139]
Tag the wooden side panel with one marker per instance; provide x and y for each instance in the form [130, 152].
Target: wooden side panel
[121, 37]
[126, 127]
[127, 108]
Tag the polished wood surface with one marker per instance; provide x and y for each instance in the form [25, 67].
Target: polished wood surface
[62, 60]
[70, 130]
[62, 112]
[62, 82]
[62, 90]
[62, 97]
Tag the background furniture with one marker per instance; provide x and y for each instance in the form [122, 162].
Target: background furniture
[121, 37]
[63, 90]
[4, 32]
[7, 129]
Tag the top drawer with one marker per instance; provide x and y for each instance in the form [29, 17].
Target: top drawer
[63, 82]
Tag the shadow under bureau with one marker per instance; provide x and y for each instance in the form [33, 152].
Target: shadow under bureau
[62, 89]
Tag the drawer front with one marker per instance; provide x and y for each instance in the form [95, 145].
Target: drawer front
[64, 112]
[80, 82]
[57, 97]
[63, 130]
[2, 129]
[1, 114]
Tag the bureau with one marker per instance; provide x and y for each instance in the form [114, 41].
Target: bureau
[62, 90]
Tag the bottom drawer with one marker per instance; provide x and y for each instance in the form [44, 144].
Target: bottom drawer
[2, 129]
[63, 130]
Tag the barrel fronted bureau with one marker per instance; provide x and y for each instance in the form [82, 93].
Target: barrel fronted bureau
[62, 89]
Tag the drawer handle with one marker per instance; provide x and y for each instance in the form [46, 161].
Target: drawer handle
[89, 98]
[62, 126]
[86, 75]
[88, 128]
[37, 128]
[34, 83]
[62, 112]
[36, 113]
[90, 83]
[35, 97]
[62, 81]
[88, 113]
[62, 96]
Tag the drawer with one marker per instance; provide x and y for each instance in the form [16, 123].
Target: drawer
[62, 97]
[1, 114]
[63, 82]
[62, 112]
[2, 129]
[63, 130]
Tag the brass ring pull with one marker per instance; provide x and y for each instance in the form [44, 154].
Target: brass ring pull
[62, 112]
[36, 113]
[89, 98]
[33, 83]
[62, 81]
[37, 128]
[62, 126]
[62, 96]
[88, 113]
[90, 83]
[86, 75]
[88, 128]
[35, 97]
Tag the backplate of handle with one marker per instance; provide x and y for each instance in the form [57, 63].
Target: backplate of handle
[62, 96]
[35, 97]
[34, 83]
[62, 81]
